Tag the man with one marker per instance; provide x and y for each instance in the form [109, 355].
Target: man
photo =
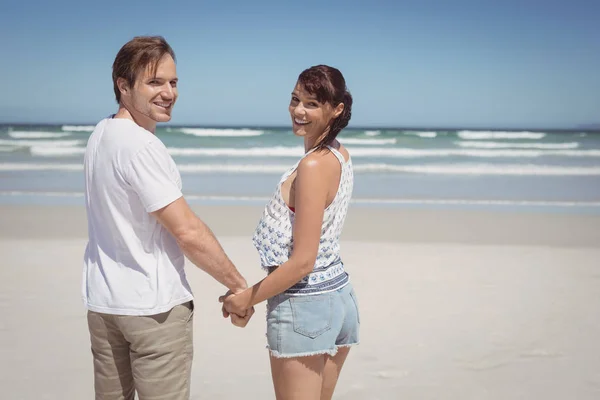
[140, 305]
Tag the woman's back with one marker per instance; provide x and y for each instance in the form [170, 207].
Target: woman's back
[273, 237]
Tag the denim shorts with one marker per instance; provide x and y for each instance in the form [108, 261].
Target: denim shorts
[314, 324]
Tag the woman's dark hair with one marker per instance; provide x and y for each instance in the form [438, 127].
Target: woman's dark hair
[328, 85]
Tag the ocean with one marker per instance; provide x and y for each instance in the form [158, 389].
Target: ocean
[516, 170]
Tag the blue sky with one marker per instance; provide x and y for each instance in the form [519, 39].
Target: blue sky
[503, 64]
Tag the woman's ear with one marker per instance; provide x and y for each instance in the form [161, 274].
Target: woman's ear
[338, 110]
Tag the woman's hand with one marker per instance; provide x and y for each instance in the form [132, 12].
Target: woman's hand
[235, 306]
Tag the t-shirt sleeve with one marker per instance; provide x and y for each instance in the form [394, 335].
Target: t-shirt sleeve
[151, 176]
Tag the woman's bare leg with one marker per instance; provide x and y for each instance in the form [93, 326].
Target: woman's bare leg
[298, 378]
[331, 373]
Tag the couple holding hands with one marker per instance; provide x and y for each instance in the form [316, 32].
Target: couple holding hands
[140, 305]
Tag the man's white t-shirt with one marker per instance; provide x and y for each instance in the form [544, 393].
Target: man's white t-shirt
[132, 264]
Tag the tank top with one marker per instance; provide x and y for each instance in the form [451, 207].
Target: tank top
[274, 242]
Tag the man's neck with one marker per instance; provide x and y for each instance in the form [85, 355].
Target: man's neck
[139, 119]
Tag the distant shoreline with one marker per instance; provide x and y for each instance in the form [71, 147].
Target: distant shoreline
[587, 129]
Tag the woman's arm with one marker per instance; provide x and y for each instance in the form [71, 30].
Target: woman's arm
[310, 201]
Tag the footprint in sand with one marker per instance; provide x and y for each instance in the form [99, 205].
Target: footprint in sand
[488, 361]
[502, 358]
[391, 374]
[541, 353]
[367, 357]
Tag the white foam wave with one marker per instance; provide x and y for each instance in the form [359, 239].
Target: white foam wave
[506, 145]
[185, 168]
[372, 133]
[477, 135]
[282, 151]
[383, 201]
[233, 168]
[56, 151]
[478, 153]
[422, 134]
[221, 132]
[78, 128]
[52, 149]
[481, 169]
[40, 167]
[278, 151]
[432, 169]
[36, 135]
[42, 194]
[41, 143]
[367, 141]
[473, 202]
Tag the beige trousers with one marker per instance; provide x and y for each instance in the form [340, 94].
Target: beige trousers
[148, 354]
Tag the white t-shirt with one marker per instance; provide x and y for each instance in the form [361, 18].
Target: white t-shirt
[132, 264]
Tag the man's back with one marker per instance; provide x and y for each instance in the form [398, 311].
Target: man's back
[140, 306]
[128, 175]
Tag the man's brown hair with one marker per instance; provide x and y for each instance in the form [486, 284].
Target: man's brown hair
[135, 56]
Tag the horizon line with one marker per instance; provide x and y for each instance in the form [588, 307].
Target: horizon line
[582, 127]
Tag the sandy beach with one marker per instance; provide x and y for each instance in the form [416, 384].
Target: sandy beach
[454, 305]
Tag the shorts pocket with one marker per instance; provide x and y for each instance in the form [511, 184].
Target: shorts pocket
[355, 300]
[312, 314]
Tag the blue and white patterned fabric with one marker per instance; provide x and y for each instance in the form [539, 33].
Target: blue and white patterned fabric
[274, 242]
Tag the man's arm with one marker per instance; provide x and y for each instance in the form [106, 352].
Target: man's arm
[199, 244]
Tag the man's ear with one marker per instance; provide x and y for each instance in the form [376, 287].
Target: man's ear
[123, 85]
[338, 110]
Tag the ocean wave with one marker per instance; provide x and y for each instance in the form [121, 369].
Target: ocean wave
[221, 132]
[276, 151]
[421, 134]
[41, 143]
[36, 135]
[367, 141]
[40, 167]
[368, 201]
[78, 128]
[282, 151]
[481, 169]
[507, 145]
[56, 151]
[185, 168]
[475, 135]
[233, 168]
[372, 133]
[473, 202]
[66, 148]
[430, 169]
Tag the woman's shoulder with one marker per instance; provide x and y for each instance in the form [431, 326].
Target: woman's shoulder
[320, 165]
[318, 161]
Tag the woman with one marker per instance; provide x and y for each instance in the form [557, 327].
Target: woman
[312, 313]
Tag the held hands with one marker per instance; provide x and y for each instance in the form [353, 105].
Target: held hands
[232, 307]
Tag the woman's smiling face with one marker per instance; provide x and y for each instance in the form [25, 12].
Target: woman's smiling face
[310, 118]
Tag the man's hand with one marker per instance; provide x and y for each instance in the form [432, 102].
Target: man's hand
[233, 306]
[241, 322]
[232, 303]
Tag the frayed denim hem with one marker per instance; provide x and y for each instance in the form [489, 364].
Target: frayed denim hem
[330, 352]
